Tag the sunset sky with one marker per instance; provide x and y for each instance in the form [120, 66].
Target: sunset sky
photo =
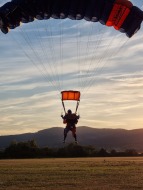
[40, 59]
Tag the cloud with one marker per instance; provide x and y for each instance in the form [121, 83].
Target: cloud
[39, 59]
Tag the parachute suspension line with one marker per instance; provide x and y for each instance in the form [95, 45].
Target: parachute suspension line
[50, 46]
[31, 10]
[31, 60]
[100, 61]
[101, 58]
[27, 39]
[123, 76]
[78, 54]
[98, 66]
[81, 62]
[88, 43]
[29, 42]
[101, 69]
[45, 54]
[77, 107]
[86, 52]
[94, 56]
[61, 52]
[53, 52]
[35, 66]
[43, 68]
[53, 71]
[42, 63]
[81, 65]
[110, 55]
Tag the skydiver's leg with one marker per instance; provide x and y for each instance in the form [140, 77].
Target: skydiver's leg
[65, 134]
[74, 134]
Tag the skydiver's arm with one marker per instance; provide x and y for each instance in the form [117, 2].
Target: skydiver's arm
[63, 117]
[78, 116]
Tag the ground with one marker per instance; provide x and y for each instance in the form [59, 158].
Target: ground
[72, 173]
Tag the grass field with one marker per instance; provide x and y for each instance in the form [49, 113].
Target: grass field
[72, 173]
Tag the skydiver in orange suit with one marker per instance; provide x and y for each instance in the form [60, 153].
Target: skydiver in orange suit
[70, 119]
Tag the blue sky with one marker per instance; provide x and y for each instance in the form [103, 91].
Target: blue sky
[40, 59]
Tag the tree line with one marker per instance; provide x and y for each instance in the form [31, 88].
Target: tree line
[30, 149]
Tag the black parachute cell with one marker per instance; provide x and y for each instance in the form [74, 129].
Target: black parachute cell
[77, 9]
[89, 10]
[56, 9]
[4, 30]
[81, 9]
[73, 9]
[23, 11]
[106, 11]
[65, 9]
[133, 22]
[47, 8]
[8, 8]
[8, 21]
[136, 24]
[97, 11]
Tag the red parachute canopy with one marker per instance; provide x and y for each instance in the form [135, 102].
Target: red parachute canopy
[70, 95]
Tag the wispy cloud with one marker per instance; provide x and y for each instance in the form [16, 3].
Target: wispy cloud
[41, 58]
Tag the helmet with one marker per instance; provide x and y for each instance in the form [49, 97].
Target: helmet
[69, 111]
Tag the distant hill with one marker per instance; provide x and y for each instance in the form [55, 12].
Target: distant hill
[119, 139]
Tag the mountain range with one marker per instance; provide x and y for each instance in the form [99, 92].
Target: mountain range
[119, 139]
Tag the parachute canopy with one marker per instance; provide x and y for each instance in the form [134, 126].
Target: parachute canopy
[70, 95]
[121, 14]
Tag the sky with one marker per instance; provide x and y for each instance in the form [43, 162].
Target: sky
[40, 59]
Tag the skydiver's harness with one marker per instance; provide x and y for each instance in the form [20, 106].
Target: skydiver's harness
[71, 120]
[77, 105]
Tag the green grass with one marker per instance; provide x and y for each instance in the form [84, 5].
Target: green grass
[72, 173]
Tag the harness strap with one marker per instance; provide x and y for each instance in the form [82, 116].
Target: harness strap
[77, 107]
[64, 107]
